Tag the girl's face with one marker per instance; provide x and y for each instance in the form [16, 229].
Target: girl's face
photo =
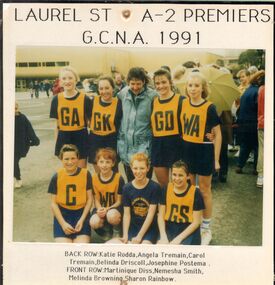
[194, 88]
[163, 85]
[105, 90]
[179, 178]
[70, 161]
[139, 169]
[67, 80]
[105, 165]
[244, 79]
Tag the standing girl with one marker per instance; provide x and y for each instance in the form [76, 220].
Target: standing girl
[166, 141]
[180, 209]
[105, 117]
[71, 199]
[70, 109]
[199, 117]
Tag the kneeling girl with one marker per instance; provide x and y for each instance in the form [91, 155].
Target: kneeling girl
[71, 199]
[180, 209]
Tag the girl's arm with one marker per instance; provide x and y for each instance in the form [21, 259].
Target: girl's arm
[56, 131]
[146, 224]
[197, 215]
[217, 145]
[117, 203]
[86, 211]
[126, 223]
[66, 227]
[101, 211]
[161, 224]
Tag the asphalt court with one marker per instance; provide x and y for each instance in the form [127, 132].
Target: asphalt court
[237, 212]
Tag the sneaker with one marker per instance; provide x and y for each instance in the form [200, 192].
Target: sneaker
[260, 181]
[239, 170]
[206, 236]
[18, 183]
[237, 153]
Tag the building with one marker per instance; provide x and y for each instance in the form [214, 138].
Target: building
[44, 62]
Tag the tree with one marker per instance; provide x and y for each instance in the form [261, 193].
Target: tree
[252, 57]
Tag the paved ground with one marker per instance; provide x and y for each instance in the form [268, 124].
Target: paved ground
[237, 217]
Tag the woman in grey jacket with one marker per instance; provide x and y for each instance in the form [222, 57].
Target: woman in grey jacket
[135, 134]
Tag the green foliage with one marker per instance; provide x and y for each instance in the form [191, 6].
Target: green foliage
[252, 57]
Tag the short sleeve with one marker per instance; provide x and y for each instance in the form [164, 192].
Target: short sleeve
[53, 185]
[162, 200]
[89, 181]
[118, 116]
[88, 105]
[120, 185]
[198, 201]
[156, 193]
[212, 117]
[126, 201]
[53, 110]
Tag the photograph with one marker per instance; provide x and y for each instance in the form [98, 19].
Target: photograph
[137, 142]
[136, 102]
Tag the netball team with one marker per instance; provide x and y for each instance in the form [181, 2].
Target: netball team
[147, 130]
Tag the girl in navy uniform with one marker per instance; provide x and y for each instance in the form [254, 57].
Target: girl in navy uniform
[70, 109]
[105, 117]
[199, 117]
[107, 189]
[180, 209]
[71, 199]
[140, 199]
[166, 141]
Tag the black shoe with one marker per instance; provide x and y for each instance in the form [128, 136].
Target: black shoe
[222, 178]
[239, 170]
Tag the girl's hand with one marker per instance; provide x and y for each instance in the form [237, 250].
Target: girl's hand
[217, 165]
[124, 239]
[136, 240]
[67, 228]
[79, 226]
[102, 212]
[210, 136]
[176, 240]
[163, 241]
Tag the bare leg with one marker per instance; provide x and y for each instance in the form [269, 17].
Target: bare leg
[63, 240]
[162, 174]
[82, 239]
[82, 163]
[205, 188]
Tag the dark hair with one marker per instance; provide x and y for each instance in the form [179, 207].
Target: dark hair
[137, 73]
[189, 64]
[166, 73]
[166, 67]
[181, 164]
[107, 78]
[67, 148]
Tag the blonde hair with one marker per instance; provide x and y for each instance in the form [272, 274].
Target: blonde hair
[140, 156]
[205, 86]
[71, 69]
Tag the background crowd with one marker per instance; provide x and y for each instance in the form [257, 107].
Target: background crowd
[151, 115]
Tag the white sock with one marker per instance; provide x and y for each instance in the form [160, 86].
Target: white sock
[205, 224]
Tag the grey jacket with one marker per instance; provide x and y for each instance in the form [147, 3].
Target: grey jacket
[135, 133]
